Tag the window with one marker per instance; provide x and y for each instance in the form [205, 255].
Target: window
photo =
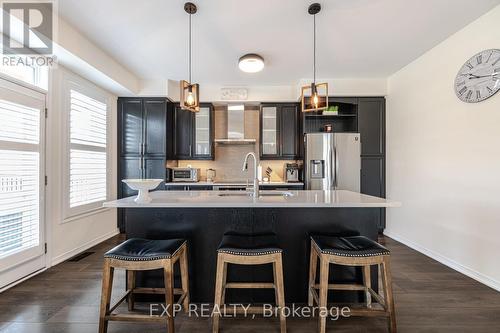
[87, 150]
[36, 76]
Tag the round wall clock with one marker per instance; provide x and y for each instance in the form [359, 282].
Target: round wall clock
[479, 77]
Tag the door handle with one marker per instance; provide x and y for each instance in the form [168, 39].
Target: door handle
[332, 172]
[336, 167]
[190, 150]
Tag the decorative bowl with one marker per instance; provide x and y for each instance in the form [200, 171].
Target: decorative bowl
[143, 186]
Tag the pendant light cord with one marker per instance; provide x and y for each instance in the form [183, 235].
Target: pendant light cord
[314, 49]
[189, 48]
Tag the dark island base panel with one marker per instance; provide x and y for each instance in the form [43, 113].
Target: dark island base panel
[204, 227]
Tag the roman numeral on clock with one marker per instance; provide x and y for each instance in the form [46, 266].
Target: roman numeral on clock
[470, 65]
[489, 57]
[496, 62]
[462, 91]
[478, 94]
[469, 94]
[479, 59]
[490, 91]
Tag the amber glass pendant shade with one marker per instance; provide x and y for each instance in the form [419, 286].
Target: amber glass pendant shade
[190, 96]
[314, 97]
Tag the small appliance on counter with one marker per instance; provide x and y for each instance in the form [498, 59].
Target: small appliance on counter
[185, 175]
[210, 175]
[292, 173]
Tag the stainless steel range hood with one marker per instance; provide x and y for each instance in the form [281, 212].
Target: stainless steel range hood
[235, 127]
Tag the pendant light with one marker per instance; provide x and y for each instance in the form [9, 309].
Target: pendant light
[190, 93]
[318, 91]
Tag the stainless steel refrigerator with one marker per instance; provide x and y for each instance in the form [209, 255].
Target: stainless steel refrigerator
[332, 161]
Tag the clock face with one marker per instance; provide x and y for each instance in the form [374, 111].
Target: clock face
[479, 78]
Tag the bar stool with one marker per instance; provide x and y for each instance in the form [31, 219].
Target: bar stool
[137, 254]
[351, 251]
[249, 250]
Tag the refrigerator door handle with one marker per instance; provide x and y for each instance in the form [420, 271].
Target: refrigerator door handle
[332, 172]
[336, 167]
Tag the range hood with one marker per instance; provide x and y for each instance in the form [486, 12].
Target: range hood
[235, 127]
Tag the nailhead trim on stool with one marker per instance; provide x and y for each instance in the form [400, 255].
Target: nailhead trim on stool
[249, 252]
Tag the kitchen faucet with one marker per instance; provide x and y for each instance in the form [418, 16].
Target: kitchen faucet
[255, 179]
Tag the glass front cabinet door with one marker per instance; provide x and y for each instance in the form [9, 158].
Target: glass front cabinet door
[269, 129]
[202, 133]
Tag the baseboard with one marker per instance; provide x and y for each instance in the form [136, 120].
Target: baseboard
[492, 283]
[65, 256]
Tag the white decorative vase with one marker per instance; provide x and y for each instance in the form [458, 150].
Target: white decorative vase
[143, 186]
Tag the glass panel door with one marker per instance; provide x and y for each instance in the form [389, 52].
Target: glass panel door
[21, 186]
[202, 132]
[269, 131]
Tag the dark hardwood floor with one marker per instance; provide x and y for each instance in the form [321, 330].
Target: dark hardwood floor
[429, 298]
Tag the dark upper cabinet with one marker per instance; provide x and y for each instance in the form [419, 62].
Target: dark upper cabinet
[183, 133]
[155, 127]
[194, 133]
[371, 125]
[131, 114]
[279, 131]
[143, 126]
[289, 131]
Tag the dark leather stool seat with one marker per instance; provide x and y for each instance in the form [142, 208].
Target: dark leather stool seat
[249, 249]
[354, 246]
[138, 249]
[249, 245]
[137, 254]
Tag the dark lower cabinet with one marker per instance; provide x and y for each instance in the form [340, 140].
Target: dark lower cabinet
[189, 188]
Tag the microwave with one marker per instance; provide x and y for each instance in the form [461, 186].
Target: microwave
[185, 174]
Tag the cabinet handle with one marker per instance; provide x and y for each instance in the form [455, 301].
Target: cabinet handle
[190, 150]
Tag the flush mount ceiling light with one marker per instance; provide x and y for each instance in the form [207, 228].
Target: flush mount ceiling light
[190, 93]
[318, 91]
[251, 63]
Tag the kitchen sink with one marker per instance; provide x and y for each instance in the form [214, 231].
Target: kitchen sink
[261, 194]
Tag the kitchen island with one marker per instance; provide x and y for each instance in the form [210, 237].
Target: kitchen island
[202, 217]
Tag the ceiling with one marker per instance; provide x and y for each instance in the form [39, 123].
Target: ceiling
[356, 38]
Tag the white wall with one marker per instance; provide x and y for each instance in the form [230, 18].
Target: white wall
[443, 158]
[67, 238]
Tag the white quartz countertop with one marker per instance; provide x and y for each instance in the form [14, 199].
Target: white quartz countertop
[229, 183]
[212, 199]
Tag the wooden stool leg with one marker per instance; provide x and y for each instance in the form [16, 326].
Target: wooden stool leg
[169, 295]
[279, 289]
[185, 279]
[389, 299]
[224, 281]
[368, 284]
[107, 287]
[313, 263]
[131, 286]
[219, 278]
[323, 292]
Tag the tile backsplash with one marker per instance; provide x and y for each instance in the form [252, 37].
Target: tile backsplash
[229, 158]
